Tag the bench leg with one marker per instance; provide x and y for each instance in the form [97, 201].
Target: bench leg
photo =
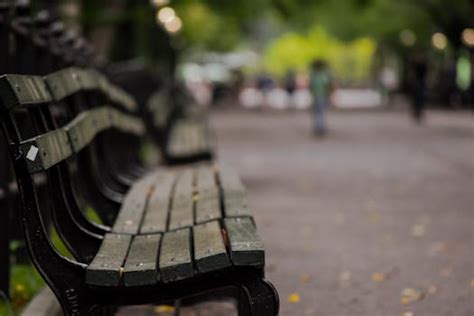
[258, 298]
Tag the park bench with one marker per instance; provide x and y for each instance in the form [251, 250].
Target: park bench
[176, 234]
[184, 129]
[38, 45]
[179, 126]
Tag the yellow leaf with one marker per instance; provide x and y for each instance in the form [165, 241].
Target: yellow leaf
[378, 277]
[409, 296]
[164, 309]
[294, 298]
[20, 288]
[472, 283]
[305, 278]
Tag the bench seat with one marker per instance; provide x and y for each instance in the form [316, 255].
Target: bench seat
[174, 225]
[189, 139]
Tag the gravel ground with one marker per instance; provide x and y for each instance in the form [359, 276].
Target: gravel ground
[375, 219]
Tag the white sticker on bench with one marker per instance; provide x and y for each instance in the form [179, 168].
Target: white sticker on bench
[32, 153]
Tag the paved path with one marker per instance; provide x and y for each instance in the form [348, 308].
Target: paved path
[378, 209]
[374, 220]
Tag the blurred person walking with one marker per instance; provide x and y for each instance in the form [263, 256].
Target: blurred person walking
[418, 70]
[290, 82]
[321, 86]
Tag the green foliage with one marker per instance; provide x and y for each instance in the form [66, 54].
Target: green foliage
[349, 60]
[5, 308]
[204, 27]
[92, 215]
[26, 283]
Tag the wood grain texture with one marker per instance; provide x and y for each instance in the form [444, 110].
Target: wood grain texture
[157, 210]
[142, 263]
[133, 207]
[182, 206]
[208, 200]
[245, 245]
[175, 256]
[209, 248]
[106, 268]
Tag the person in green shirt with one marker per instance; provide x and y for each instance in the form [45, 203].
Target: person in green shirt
[321, 86]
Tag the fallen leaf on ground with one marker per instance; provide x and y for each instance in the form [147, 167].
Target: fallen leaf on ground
[305, 277]
[378, 277]
[418, 230]
[472, 283]
[294, 298]
[164, 309]
[432, 289]
[410, 295]
[407, 314]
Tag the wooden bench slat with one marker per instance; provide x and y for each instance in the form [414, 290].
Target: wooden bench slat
[156, 213]
[209, 248]
[175, 256]
[142, 261]
[83, 129]
[127, 123]
[188, 138]
[182, 206]
[63, 83]
[45, 151]
[245, 245]
[106, 268]
[120, 97]
[21, 90]
[234, 193]
[133, 207]
[208, 200]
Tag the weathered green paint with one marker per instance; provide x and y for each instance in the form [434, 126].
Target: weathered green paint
[142, 261]
[106, 268]
[120, 97]
[45, 151]
[63, 83]
[182, 204]
[175, 256]
[55, 146]
[88, 79]
[209, 249]
[245, 245]
[189, 137]
[21, 90]
[127, 123]
[83, 129]
[133, 207]
[156, 213]
[208, 200]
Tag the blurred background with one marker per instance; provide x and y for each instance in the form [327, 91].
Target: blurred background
[376, 217]
[226, 50]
